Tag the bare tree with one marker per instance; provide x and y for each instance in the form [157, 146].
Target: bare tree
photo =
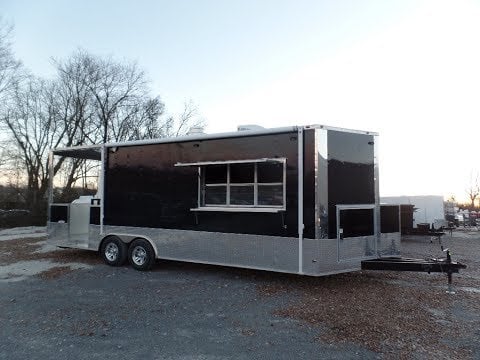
[473, 189]
[10, 68]
[10, 76]
[149, 115]
[74, 101]
[33, 130]
[42, 115]
[91, 100]
[73, 105]
[188, 119]
[119, 101]
[119, 97]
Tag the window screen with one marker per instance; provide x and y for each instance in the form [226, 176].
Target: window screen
[270, 172]
[242, 173]
[270, 195]
[242, 195]
[216, 174]
[216, 195]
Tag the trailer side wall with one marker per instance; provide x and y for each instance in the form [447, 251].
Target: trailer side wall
[144, 188]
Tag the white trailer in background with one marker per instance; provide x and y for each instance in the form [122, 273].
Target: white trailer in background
[429, 209]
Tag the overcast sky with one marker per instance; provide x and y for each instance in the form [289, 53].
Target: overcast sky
[409, 70]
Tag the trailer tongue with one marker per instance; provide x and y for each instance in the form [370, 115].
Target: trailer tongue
[442, 265]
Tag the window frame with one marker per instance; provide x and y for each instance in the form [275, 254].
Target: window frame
[227, 206]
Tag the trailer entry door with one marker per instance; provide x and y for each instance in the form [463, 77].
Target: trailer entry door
[356, 235]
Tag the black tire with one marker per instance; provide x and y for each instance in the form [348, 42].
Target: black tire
[114, 251]
[141, 255]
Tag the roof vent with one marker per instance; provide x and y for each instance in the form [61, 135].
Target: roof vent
[249, 127]
[196, 130]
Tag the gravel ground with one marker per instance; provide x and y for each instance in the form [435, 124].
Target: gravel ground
[64, 304]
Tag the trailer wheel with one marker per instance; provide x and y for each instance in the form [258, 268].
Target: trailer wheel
[114, 251]
[141, 255]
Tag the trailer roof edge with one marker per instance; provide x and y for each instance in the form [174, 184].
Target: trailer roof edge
[232, 134]
[334, 128]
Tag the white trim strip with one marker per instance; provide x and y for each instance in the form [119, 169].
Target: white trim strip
[300, 201]
[355, 206]
[101, 187]
[226, 162]
[238, 209]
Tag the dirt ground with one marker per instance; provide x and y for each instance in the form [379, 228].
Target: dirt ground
[68, 304]
[399, 314]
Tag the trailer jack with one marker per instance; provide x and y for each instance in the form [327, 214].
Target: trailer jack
[442, 265]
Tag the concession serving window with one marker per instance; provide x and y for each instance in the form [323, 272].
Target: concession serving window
[256, 185]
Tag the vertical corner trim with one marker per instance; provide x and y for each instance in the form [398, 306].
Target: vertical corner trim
[300, 200]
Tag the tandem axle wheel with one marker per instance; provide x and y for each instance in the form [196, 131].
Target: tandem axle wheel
[139, 252]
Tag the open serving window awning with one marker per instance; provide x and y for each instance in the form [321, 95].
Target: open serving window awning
[79, 152]
[263, 160]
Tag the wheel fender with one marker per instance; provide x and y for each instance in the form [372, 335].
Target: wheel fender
[152, 244]
[120, 236]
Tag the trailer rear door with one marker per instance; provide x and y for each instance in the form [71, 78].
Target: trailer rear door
[356, 232]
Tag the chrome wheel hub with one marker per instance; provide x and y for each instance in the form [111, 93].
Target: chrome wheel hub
[139, 255]
[111, 252]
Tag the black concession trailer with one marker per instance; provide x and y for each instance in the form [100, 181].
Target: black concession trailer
[295, 199]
